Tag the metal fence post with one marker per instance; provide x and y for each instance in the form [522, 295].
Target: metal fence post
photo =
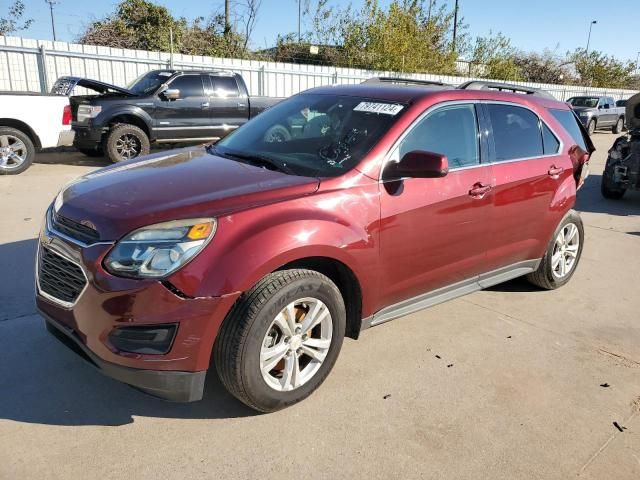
[261, 81]
[335, 77]
[42, 70]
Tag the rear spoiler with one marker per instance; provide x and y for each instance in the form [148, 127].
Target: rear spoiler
[65, 85]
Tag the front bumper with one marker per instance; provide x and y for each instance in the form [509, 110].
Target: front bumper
[87, 137]
[107, 302]
[169, 385]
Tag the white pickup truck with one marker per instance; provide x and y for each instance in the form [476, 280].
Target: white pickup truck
[30, 122]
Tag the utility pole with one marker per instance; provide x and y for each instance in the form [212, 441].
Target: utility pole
[455, 25]
[299, 18]
[227, 17]
[593, 22]
[53, 26]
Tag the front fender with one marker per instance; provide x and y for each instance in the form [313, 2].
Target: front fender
[105, 117]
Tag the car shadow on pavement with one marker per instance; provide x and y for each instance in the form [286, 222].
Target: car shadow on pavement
[69, 157]
[42, 381]
[589, 199]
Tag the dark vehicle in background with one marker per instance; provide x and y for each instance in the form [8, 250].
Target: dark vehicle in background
[622, 170]
[162, 106]
[258, 257]
[598, 112]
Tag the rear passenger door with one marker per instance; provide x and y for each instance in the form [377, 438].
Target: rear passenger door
[528, 168]
[229, 106]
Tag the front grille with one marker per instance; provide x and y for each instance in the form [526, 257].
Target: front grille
[59, 277]
[74, 229]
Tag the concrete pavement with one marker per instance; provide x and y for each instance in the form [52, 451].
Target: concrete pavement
[515, 393]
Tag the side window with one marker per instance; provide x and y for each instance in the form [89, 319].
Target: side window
[551, 144]
[189, 86]
[451, 131]
[570, 123]
[225, 87]
[516, 132]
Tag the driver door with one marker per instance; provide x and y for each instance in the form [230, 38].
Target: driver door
[435, 231]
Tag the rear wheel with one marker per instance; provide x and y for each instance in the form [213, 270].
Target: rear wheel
[562, 256]
[16, 151]
[591, 127]
[281, 339]
[125, 142]
[617, 128]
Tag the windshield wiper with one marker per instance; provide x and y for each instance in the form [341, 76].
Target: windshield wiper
[256, 159]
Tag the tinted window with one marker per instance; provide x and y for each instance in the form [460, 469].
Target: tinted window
[225, 86]
[516, 132]
[570, 123]
[551, 143]
[189, 86]
[451, 131]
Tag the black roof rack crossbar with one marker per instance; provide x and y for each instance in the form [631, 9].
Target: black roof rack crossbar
[405, 81]
[505, 87]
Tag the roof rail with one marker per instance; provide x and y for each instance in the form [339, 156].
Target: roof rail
[405, 81]
[505, 87]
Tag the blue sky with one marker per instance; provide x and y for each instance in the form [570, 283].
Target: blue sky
[559, 25]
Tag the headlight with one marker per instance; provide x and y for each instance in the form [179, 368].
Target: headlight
[158, 250]
[584, 114]
[87, 111]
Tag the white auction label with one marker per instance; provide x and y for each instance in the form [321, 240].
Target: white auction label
[374, 107]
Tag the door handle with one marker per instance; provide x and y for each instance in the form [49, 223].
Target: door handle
[204, 105]
[241, 105]
[554, 171]
[479, 190]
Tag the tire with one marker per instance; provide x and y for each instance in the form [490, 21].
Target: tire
[251, 324]
[547, 275]
[91, 152]
[608, 190]
[136, 142]
[591, 127]
[617, 128]
[16, 151]
[277, 134]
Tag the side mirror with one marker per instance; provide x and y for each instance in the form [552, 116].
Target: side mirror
[171, 94]
[606, 106]
[418, 164]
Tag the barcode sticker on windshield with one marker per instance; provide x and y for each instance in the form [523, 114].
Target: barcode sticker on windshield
[373, 107]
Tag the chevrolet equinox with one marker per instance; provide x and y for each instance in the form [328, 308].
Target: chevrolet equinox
[336, 210]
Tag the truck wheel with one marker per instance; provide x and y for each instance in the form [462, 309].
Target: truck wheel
[617, 128]
[281, 339]
[591, 127]
[92, 152]
[562, 256]
[607, 188]
[16, 151]
[277, 134]
[125, 142]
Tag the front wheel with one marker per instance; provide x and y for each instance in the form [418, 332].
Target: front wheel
[591, 127]
[125, 142]
[281, 339]
[562, 256]
[608, 189]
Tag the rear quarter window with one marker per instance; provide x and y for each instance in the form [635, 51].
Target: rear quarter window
[569, 122]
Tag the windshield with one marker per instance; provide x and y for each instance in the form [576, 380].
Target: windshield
[313, 134]
[148, 82]
[590, 102]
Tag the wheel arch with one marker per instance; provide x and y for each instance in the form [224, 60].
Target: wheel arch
[23, 127]
[131, 119]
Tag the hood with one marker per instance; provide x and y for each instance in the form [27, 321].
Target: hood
[632, 112]
[186, 183]
[65, 86]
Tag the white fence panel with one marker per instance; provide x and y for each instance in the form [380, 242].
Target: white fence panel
[34, 65]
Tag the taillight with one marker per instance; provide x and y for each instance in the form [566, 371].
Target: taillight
[66, 115]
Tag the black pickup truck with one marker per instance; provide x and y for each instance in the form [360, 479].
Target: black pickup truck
[163, 106]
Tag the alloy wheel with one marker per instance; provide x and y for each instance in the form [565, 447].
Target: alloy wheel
[128, 146]
[296, 344]
[13, 152]
[565, 251]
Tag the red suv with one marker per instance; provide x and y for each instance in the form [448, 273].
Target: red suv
[336, 210]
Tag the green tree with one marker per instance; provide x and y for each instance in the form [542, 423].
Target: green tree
[495, 58]
[600, 70]
[545, 67]
[13, 21]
